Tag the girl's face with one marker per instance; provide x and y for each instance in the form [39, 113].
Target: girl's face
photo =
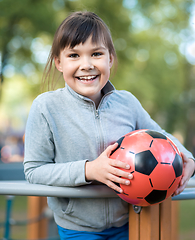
[86, 68]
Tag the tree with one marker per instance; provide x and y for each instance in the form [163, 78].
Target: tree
[147, 35]
[21, 22]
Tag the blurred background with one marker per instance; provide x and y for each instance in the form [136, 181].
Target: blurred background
[155, 44]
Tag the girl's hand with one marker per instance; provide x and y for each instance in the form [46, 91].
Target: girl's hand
[188, 169]
[106, 170]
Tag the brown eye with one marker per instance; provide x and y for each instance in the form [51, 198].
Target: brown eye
[96, 54]
[73, 55]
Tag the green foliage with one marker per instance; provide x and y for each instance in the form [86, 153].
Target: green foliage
[187, 215]
[21, 22]
[146, 34]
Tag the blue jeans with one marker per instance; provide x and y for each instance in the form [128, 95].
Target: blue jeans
[113, 233]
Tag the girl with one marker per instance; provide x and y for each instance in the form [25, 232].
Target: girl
[72, 131]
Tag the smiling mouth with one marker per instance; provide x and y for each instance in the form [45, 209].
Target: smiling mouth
[87, 78]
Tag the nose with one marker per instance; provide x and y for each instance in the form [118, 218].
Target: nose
[86, 64]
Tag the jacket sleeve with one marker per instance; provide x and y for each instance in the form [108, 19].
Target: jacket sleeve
[144, 121]
[39, 156]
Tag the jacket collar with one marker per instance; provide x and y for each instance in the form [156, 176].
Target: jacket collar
[107, 89]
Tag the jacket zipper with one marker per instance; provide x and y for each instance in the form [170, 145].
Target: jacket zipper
[107, 213]
[101, 149]
[97, 117]
[100, 133]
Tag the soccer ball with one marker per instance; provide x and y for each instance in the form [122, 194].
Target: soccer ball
[156, 165]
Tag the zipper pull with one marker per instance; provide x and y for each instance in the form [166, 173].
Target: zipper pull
[96, 113]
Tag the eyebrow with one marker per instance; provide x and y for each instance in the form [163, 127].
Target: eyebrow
[93, 49]
[99, 48]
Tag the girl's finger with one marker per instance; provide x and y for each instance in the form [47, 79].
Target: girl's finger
[121, 173]
[118, 180]
[115, 187]
[119, 164]
[111, 148]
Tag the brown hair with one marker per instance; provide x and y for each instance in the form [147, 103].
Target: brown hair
[76, 29]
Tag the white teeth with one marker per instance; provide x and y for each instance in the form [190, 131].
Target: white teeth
[87, 77]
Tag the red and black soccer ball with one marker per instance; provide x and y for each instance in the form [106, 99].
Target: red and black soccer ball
[156, 165]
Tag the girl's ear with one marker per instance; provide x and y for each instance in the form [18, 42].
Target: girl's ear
[111, 60]
[58, 63]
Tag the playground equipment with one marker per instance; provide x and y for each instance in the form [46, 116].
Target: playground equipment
[157, 222]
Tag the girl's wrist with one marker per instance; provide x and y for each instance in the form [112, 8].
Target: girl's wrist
[88, 171]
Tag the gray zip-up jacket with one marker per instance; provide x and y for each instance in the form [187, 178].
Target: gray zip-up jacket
[64, 130]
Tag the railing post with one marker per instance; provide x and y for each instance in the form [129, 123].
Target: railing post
[8, 217]
[175, 220]
[134, 224]
[165, 220]
[37, 229]
[153, 222]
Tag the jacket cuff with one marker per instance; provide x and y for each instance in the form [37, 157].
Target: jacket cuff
[194, 170]
[77, 173]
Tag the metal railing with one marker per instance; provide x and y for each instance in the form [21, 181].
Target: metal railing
[23, 188]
